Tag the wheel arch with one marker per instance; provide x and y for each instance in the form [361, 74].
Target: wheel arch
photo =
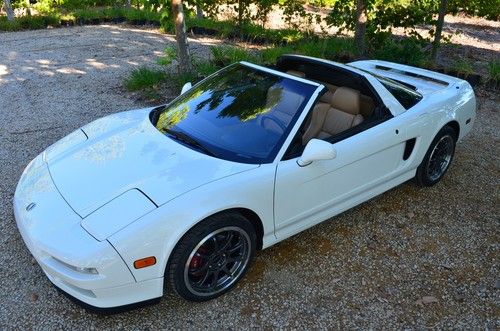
[249, 214]
[455, 126]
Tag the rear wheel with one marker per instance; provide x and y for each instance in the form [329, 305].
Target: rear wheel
[438, 158]
[212, 257]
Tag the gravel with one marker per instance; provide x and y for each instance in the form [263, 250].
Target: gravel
[411, 258]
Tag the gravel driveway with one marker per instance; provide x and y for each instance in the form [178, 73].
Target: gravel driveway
[372, 267]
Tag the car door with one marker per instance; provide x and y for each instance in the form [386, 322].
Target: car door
[364, 163]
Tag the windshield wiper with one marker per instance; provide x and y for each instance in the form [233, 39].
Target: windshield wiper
[188, 140]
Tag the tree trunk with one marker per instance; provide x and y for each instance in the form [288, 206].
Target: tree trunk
[240, 13]
[129, 4]
[199, 9]
[28, 7]
[439, 29]
[8, 9]
[361, 19]
[180, 36]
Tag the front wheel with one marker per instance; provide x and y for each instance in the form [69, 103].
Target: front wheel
[212, 257]
[438, 158]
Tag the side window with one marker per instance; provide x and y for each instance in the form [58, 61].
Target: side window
[405, 96]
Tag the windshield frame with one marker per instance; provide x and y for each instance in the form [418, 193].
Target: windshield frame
[283, 142]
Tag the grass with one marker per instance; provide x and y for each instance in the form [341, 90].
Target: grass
[225, 55]
[462, 66]
[494, 70]
[144, 78]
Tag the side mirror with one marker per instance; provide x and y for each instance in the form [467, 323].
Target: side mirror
[186, 87]
[316, 150]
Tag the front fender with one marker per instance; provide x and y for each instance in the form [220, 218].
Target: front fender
[158, 232]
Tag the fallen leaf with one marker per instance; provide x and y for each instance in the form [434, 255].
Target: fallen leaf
[429, 299]
[426, 300]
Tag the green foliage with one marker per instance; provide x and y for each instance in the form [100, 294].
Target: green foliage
[383, 15]
[51, 5]
[248, 31]
[30, 22]
[81, 16]
[5, 25]
[144, 78]
[494, 70]
[225, 55]
[263, 8]
[169, 55]
[462, 66]
[269, 55]
[407, 50]
[484, 8]
[204, 68]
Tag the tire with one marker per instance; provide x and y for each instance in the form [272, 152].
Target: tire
[217, 251]
[438, 158]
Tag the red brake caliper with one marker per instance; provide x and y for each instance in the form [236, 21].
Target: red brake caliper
[197, 260]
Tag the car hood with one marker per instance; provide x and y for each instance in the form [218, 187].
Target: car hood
[125, 151]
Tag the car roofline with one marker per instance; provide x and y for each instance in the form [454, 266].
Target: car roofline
[279, 73]
[329, 62]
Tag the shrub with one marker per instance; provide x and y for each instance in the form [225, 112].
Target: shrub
[407, 50]
[30, 22]
[5, 25]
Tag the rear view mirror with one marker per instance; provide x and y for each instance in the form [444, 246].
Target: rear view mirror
[186, 87]
[316, 150]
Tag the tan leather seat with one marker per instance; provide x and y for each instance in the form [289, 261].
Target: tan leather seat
[340, 114]
[296, 73]
[328, 94]
[366, 104]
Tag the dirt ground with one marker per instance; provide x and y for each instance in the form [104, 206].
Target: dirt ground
[371, 267]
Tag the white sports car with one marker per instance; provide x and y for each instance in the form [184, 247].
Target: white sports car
[180, 196]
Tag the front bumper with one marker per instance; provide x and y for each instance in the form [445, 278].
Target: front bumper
[89, 270]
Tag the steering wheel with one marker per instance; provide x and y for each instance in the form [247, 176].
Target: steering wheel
[263, 118]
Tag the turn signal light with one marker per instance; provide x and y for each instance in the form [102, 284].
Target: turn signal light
[145, 262]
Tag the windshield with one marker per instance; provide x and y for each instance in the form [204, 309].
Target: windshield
[239, 114]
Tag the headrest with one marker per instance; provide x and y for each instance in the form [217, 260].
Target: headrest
[327, 97]
[346, 99]
[296, 73]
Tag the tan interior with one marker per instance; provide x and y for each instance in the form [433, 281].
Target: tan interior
[366, 103]
[339, 109]
[342, 112]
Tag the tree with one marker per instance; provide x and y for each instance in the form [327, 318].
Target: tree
[360, 32]
[199, 8]
[439, 28]
[8, 9]
[181, 37]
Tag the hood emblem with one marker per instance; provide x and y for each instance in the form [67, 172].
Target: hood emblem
[30, 206]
